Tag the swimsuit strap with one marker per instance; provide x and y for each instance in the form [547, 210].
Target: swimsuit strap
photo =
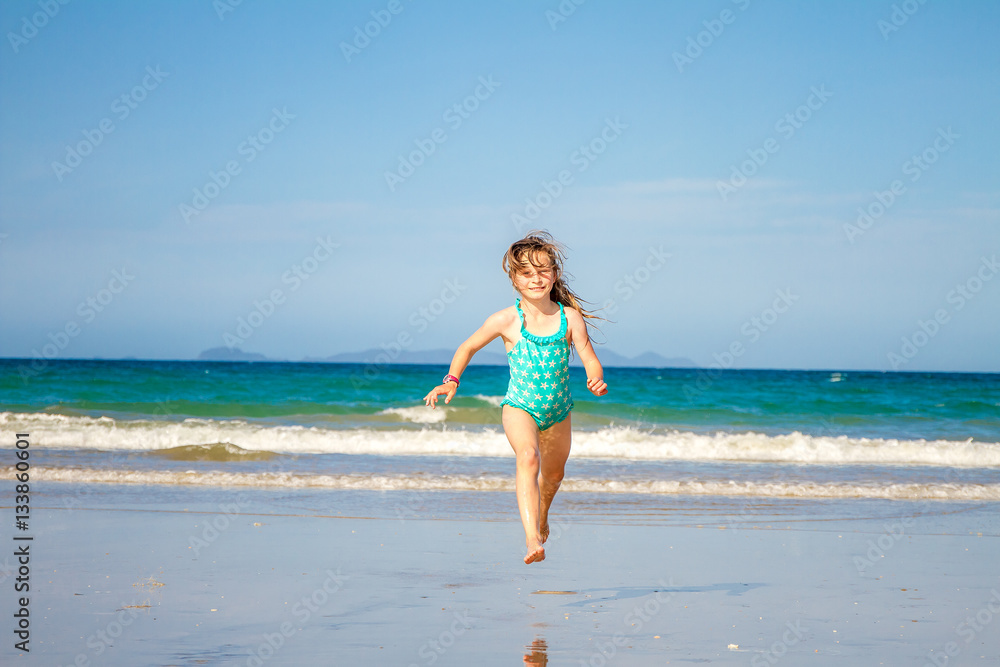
[543, 339]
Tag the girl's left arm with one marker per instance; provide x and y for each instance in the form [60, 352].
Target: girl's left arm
[581, 341]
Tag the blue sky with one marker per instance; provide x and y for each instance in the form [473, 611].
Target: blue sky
[714, 157]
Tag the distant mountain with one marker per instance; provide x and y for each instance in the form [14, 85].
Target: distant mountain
[230, 354]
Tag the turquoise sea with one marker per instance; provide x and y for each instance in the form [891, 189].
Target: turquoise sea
[660, 436]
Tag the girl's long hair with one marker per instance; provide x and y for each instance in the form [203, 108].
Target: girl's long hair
[539, 243]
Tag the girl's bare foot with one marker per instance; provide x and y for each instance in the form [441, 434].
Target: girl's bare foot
[536, 552]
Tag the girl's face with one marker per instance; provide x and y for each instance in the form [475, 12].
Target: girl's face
[535, 282]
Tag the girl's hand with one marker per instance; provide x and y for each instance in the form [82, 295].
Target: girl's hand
[448, 390]
[597, 386]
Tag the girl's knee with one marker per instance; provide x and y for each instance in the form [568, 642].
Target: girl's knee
[553, 475]
[528, 457]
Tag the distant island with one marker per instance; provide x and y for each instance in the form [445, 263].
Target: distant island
[443, 357]
[231, 354]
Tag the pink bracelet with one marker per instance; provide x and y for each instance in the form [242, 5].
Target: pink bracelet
[450, 378]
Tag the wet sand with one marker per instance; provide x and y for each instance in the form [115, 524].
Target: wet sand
[242, 585]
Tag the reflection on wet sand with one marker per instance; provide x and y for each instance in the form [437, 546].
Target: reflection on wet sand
[538, 656]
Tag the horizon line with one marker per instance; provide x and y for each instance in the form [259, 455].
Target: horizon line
[362, 363]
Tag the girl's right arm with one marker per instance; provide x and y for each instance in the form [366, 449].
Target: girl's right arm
[494, 326]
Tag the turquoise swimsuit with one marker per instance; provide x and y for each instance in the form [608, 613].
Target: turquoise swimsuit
[539, 374]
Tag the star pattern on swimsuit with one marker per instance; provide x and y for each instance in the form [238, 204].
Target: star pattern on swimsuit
[531, 359]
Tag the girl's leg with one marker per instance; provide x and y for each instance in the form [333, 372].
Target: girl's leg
[554, 445]
[522, 433]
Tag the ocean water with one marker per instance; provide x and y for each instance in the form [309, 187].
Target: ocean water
[344, 433]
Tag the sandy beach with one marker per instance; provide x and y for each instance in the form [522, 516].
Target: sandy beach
[254, 578]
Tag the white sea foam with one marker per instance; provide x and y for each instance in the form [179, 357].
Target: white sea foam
[495, 401]
[88, 433]
[907, 491]
[419, 414]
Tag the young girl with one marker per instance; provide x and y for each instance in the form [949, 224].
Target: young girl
[537, 332]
